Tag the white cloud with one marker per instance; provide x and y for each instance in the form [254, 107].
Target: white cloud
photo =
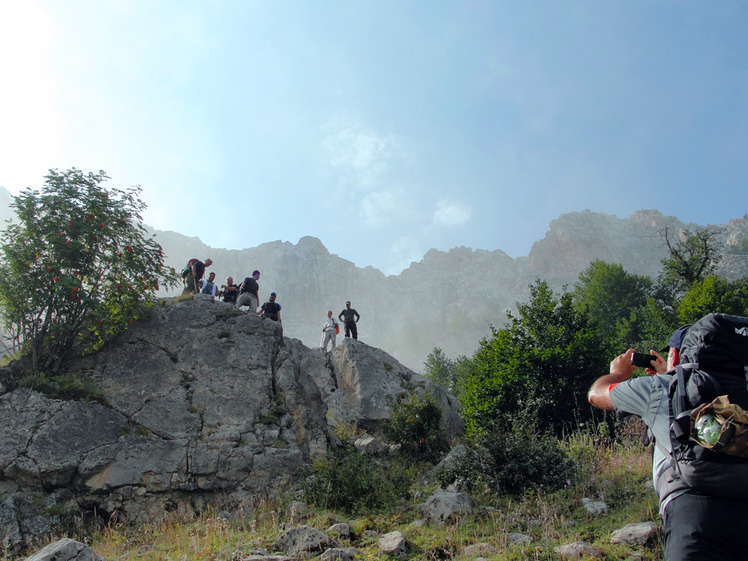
[360, 155]
[451, 213]
[378, 208]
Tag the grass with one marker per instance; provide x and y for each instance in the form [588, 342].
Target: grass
[618, 473]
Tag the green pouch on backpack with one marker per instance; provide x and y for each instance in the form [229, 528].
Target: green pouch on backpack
[731, 433]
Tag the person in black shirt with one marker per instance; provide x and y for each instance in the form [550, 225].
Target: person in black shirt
[271, 309]
[350, 316]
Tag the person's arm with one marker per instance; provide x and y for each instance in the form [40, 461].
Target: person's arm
[358, 316]
[340, 316]
[620, 371]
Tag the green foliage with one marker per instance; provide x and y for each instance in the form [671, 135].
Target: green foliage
[711, 295]
[63, 386]
[611, 296]
[512, 462]
[536, 370]
[352, 482]
[414, 425]
[77, 267]
[447, 372]
[439, 368]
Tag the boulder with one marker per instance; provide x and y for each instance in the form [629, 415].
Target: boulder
[444, 507]
[65, 550]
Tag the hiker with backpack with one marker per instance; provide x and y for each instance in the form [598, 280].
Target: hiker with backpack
[271, 309]
[192, 273]
[330, 329]
[703, 488]
[249, 292]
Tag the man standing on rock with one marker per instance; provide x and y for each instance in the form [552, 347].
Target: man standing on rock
[330, 330]
[350, 316]
[249, 292]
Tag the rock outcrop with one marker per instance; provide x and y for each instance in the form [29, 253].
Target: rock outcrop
[202, 404]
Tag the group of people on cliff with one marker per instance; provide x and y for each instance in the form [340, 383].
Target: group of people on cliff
[247, 294]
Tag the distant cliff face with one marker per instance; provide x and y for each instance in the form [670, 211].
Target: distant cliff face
[203, 405]
[449, 299]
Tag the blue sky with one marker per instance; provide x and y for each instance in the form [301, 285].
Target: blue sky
[383, 128]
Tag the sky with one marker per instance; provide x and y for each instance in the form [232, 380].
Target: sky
[382, 128]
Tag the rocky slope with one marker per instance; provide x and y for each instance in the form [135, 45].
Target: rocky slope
[203, 404]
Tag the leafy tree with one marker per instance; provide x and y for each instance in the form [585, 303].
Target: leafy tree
[693, 256]
[76, 267]
[649, 327]
[439, 368]
[536, 370]
[414, 425]
[611, 296]
[713, 294]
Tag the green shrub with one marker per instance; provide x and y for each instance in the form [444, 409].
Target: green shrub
[512, 462]
[415, 425]
[63, 386]
[351, 482]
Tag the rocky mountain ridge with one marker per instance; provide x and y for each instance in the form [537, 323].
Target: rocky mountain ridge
[449, 299]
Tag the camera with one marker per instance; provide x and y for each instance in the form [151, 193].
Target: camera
[642, 360]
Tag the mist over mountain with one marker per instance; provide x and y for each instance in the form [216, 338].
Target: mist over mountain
[449, 299]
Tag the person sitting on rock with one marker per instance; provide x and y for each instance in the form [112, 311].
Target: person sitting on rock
[271, 309]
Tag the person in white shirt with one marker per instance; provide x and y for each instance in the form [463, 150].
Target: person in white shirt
[330, 330]
[209, 286]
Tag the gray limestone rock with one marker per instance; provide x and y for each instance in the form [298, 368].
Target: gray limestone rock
[65, 550]
[393, 543]
[640, 533]
[304, 540]
[578, 550]
[203, 404]
[444, 507]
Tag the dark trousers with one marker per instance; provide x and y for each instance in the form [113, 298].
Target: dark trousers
[351, 330]
[701, 528]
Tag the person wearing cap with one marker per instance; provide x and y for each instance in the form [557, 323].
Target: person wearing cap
[249, 292]
[350, 316]
[695, 526]
[271, 309]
